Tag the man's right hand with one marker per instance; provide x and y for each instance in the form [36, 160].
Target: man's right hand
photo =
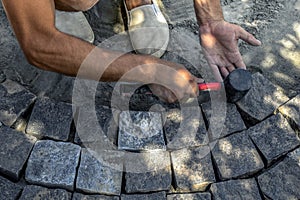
[176, 85]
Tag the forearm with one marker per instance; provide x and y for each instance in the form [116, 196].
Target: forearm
[66, 54]
[208, 11]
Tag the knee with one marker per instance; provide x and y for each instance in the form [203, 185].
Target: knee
[84, 5]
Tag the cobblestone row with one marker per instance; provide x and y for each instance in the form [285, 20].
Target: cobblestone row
[59, 168]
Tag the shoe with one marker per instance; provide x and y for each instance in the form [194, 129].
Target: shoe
[75, 24]
[148, 29]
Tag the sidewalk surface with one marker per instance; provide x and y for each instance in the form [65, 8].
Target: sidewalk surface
[65, 138]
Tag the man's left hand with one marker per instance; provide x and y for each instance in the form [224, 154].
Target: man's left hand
[219, 41]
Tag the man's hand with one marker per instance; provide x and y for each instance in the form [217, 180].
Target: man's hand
[219, 41]
[176, 85]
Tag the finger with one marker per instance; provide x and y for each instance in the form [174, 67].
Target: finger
[230, 68]
[216, 73]
[240, 63]
[249, 38]
[224, 71]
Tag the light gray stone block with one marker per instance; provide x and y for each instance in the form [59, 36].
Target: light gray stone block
[8, 189]
[274, 137]
[262, 99]
[14, 101]
[140, 131]
[236, 156]
[194, 196]
[153, 173]
[15, 148]
[42, 193]
[53, 164]
[292, 110]
[50, 119]
[282, 181]
[236, 189]
[193, 169]
[185, 128]
[100, 173]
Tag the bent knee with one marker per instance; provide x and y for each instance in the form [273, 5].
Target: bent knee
[84, 5]
[76, 5]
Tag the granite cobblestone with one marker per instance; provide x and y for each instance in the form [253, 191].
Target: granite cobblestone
[236, 156]
[15, 148]
[53, 164]
[50, 119]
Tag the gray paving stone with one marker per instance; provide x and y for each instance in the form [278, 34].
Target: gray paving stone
[50, 119]
[282, 182]
[140, 131]
[179, 11]
[53, 164]
[156, 175]
[236, 189]
[14, 101]
[292, 110]
[193, 169]
[236, 156]
[8, 189]
[153, 196]
[185, 128]
[295, 155]
[95, 175]
[105, 120]
[233, 121]
[42, 193]
[15, 149]
[274, 137]
[194, 196]
[78, 196]
[262, 99]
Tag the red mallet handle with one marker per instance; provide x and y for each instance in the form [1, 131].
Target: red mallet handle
[210, 86]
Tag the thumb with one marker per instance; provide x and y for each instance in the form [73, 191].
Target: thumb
[199, 80]
[249, 38]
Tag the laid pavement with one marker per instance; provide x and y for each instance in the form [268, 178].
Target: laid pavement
[104, 145]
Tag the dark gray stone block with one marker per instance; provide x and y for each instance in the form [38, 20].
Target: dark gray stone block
[194, 196]
[193, 169]
[53, 164]
[236, 156]
[140, 131]
[14, 101]
[185, 128]
[78, 196]
[292, 110]
[50, 119]
[153, 196]
[262, 99]
[274, 137]
[104, 119]
[42, 193]
[233, 120]
[8, 189]
[154, 173]
[15, 149]
[282, 181]
[236, 189]
[100, 174]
